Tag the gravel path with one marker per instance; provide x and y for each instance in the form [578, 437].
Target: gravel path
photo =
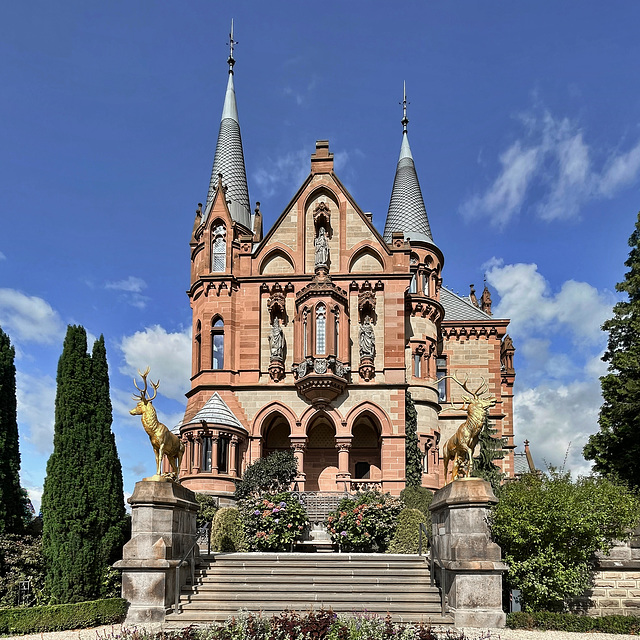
[472, 634]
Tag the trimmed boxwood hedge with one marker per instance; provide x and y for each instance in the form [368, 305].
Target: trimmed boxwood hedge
[60, 617]
[550, 621]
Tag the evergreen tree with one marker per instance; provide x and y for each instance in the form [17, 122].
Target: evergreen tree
[82, 503]
[107, 470]
[413, 455]
[615, 449]
[491, 448]
[13, 501]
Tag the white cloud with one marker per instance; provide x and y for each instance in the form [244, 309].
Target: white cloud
[131, 284]
[29, 318]
[35, 495]
[621, 170]
[36, 397]
[2, 256]
[552, 154]
[289, 170]
[131, 288]
[167, 354]
[526, 298]
[505, 197]
[557, 420]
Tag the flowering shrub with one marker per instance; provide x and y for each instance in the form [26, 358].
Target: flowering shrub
[365, 523]
[272, 522]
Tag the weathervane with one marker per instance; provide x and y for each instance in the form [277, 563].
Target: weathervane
[231, 43]
[405, 120]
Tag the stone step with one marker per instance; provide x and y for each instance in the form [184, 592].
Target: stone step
[336, 572]
[201, 618]
[306, 596]
[289, 579]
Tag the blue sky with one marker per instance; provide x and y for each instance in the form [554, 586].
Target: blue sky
[524, 125]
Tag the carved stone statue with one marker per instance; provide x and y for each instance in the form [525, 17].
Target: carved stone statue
[164, 442]
[367, 339]
[276, 340]
[322, 248]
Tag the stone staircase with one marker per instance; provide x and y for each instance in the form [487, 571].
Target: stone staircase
[269, 583]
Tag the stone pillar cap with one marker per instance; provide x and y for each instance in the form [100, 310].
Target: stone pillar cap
[467, 491]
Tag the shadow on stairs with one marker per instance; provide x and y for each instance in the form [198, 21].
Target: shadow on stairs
[269, 583]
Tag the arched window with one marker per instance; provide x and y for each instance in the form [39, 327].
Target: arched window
[305, 329]
[217, 344]
[321, 329]
[336, 331]
[198, 341]
[219, 249]
[413, 285]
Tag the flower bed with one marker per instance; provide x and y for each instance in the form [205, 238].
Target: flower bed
[272, 522]
[366, 523]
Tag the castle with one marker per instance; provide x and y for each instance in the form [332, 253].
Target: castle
[309, 336]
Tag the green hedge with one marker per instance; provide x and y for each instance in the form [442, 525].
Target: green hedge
[407, 536]
[549, 621]
[60, 617]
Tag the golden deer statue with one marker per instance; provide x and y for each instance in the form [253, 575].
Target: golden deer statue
[459, 447]
[163, 441]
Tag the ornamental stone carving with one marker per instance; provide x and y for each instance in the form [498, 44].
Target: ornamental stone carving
[367, 339]
[322, 248]
[276, 340]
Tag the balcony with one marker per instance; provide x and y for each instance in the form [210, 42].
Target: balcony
[321, 380]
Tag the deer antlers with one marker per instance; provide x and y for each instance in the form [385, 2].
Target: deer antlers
[481, 390]
[143, 392]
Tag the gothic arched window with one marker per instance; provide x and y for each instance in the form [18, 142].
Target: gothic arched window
[321, 329]
[219, 249]
[198, 342]
[217, 344]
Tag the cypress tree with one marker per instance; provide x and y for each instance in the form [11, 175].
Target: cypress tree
[615, 449]
[84, 478]
[107, 470]
[413, 464]
[13, 501]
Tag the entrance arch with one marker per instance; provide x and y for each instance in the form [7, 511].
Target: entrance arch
[321, 456]
[365, 458]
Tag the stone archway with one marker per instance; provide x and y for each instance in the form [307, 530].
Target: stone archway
[276, 435]
[321, 456]
[365, 460]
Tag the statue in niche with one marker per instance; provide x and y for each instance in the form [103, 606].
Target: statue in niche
[276, 340]
[367, 339]
[322, 248]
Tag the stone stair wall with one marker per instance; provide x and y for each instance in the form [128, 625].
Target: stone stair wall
[269, 583]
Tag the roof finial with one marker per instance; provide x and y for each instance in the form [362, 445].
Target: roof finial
[405, 120]
[232, 42]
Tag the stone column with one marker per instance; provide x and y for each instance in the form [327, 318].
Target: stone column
[472, 562]
[215, 440]
[184, 465]
[343, 477]
[299, 447]
[197, 453]
[163, 529]
[233, 456]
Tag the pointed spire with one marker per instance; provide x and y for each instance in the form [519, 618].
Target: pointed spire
[229, 157]
[407, 212]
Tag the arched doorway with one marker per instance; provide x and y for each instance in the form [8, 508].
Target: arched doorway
[276, 435]
[321, 456]
[365, 462]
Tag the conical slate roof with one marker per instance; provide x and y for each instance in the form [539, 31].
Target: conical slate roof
[216, 412]
[406, 209]
[407, 212]
[229, 160]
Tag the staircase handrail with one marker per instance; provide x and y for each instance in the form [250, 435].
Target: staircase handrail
[199, 534]
[434, 557]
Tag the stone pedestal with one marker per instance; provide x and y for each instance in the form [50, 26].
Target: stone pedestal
[472, 562]
[163, 528]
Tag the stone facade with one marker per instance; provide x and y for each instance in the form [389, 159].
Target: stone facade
[279, 324]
